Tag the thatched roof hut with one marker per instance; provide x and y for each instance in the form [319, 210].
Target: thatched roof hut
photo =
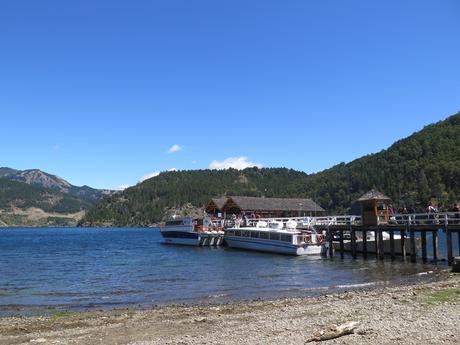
[373, 194]
[375, 208]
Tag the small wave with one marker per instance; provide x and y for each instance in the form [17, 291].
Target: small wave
[351, 286]
[425, 273]
[218, 295]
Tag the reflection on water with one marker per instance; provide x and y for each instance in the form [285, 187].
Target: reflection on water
[84, 268]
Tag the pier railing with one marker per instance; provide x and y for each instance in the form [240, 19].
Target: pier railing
[443, 218]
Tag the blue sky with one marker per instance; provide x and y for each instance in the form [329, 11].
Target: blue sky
[99, 91]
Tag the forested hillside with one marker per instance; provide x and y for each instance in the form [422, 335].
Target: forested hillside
[412, 171]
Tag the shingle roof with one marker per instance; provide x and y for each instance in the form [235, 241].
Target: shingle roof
[275, 204]
[373, 194]
[219, 202]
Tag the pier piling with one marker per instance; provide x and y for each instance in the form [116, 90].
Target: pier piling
[413, 250]
[423, 237]
[392, 244]
[381, 245]
[434, 240]
[450, 256]
[342, 249]
[353, 242]
[364, 243]
[330, 238]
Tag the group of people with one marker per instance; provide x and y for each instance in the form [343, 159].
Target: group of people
[431, 208]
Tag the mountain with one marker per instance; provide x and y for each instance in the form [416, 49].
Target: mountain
[35, 198]
[413, 171]
[39, 178]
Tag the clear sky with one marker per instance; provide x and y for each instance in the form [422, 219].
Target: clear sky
[104, 92]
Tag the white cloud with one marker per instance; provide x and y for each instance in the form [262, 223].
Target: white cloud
[146, 177]
[238, 163]
[123, 186]
[175, 148]
[172, 169]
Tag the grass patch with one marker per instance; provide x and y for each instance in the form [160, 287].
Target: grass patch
[59, 314]
[444, 296]
[4, 294]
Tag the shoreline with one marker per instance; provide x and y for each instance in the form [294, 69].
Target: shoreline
[411, 313]
[435, 274]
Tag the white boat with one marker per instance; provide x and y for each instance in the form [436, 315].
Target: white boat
[192, 232]
[276, 237]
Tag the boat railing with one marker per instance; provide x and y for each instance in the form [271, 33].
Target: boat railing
[302, 222]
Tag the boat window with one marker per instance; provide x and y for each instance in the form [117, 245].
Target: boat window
[237, 233]
[231, 233]
[173, 222]
[274, 236]
[254, 234]
[286, 238]
[263, 235]
[246, 233]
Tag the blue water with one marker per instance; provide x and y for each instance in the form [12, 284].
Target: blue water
[74, 268]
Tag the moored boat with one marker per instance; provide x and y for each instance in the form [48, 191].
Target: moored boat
[276, 237]
[192, 232]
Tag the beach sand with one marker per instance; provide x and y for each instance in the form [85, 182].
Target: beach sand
[421, 313]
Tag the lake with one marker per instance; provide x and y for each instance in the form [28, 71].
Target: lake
[45, 269]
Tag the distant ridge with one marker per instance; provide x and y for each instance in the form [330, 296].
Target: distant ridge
[36, 198]
[423, 166]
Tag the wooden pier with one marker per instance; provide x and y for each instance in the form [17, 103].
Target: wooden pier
[407, 226]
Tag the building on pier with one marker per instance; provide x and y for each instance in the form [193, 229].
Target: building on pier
[375, 208]
[265, 207]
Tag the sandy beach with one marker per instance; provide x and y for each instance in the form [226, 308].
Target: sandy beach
[421, 313]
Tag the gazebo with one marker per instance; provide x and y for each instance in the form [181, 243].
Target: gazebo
[375, 208]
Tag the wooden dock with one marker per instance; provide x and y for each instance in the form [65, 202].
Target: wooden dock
[405, 225]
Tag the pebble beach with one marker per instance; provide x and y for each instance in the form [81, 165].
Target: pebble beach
[416, 313]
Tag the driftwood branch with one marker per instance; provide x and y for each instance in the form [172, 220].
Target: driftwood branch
[333, 331]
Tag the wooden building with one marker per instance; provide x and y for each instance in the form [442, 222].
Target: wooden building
[375, 208]
[214, 206]
[270, 207]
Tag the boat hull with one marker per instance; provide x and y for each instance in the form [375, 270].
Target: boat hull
[188, 238]
[269, 246]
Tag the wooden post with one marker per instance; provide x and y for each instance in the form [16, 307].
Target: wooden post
[392, 244]
[413, 256]
[342, 249]
[353, 242]
[376, 242]
[434, 239]
[458, 239]
[331, 244]
[364, 243]
[381, 245]
[450, 256]
[423, 235]
[403, 242]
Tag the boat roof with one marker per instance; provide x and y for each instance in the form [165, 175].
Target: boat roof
[281, 231]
